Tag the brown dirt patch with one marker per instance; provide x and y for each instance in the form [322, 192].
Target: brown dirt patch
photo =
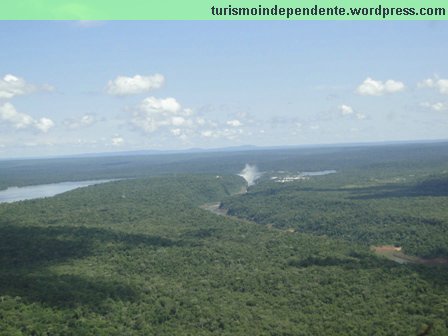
[394, 253]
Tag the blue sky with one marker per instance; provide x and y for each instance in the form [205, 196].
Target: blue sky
[82, 87]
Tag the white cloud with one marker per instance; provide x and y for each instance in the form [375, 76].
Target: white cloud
[85, 121]
[176, 131]
[207, 133]
[345, 109]
[437, 83]
[182, 134]
[168, 105]
[154, 113]
[436, 106]
[11, 86]
[178, 121]
[9, 114]
[427, 83]
[44, 124]
[169, 116]
[360, 116]
[226, 133]
[234, 123]
[117, 141]
[122, 85]
[229, 133]
[19, 120]
[371, 87]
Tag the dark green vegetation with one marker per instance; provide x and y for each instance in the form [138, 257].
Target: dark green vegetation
[354, 162]
[140, 257]
[411, 214]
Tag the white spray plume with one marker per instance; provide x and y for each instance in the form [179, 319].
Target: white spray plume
[250, 174]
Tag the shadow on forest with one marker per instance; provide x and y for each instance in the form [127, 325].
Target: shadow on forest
[353, 261]
[433, 187]
[434, 275]
[63, 290]
[27, 253]
[28, 246]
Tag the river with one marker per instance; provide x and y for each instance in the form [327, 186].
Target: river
[15, 194]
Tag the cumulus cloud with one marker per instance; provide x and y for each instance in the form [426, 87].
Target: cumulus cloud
[208, 134]
[11, 86]
[371, 87]
[178, 121]
[436, 106]
[182, 134]
[345, 109]
[44, 124]
[169, 105]
[10, 115]
[169, 116]
[429, 82]
[437, 83]
[117, 141]
[154, 113]
[123, 86]
[226, 133]
[234, 123]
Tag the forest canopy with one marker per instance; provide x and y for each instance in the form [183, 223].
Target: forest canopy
[142, 256]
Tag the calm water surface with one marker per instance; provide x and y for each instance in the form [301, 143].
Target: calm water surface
[318, 173]
[14, 194]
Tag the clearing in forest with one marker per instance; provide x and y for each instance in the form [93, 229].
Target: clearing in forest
[395, 253]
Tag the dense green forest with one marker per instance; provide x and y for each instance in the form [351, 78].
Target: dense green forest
[394, 212]
[141, 257]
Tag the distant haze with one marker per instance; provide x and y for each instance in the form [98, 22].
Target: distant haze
[250, 174]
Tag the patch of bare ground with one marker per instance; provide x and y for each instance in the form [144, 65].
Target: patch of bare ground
[214, 208]
[395, 253]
